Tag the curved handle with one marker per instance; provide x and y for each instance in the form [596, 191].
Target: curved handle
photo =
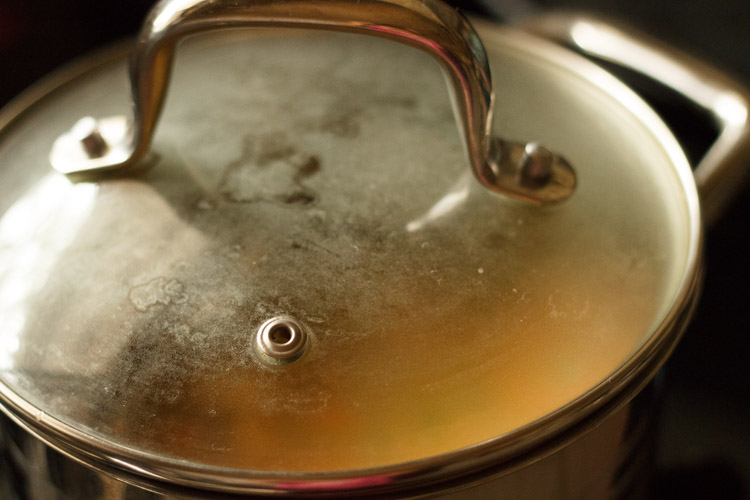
[524, 171]
[720, 172]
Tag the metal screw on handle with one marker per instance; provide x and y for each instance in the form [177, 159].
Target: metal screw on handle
[116, 144]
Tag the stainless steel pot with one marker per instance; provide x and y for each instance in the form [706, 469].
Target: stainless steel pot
[265, 310]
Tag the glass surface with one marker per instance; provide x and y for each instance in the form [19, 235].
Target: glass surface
[322, 177]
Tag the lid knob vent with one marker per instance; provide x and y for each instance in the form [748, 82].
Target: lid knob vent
[281, 340]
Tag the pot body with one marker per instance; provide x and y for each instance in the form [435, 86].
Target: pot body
[611, 459]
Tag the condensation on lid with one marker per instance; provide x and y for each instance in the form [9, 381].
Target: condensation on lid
[330, 187]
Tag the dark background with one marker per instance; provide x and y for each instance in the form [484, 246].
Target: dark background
[704, 448]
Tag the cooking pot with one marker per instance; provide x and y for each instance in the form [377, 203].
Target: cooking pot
[294, 286]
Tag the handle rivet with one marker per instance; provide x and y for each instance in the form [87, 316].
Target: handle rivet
[536, 165]
[86, 131]
[281, 340]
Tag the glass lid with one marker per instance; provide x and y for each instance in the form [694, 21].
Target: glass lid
[318, 180]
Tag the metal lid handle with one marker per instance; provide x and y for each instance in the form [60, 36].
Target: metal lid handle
[94, 147]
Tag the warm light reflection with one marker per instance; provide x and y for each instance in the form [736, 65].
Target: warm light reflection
[169, 13]
[608, 43]
[731, 108]
[452, 199]
[33, 234]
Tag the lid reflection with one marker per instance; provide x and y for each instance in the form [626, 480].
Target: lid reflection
[33, 234]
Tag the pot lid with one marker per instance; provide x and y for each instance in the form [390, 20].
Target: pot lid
[310, 279]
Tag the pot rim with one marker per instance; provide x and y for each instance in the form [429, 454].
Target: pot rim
[496, 456]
